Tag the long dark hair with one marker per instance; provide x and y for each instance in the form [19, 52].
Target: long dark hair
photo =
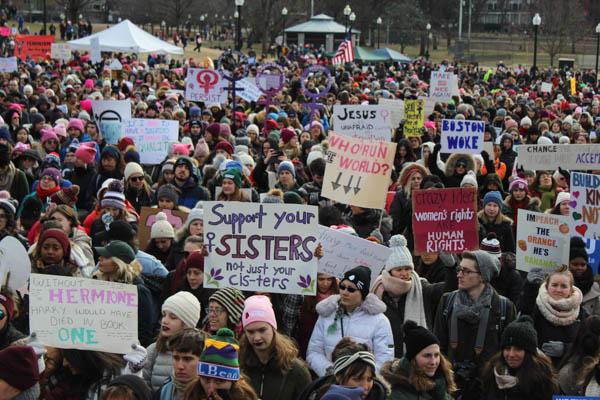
[91, 369]
[585, 349]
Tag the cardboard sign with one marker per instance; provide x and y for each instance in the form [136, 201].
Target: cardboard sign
[8, 64]
[152, 137]
[205, 85]
[250, 91]
[593, 249]
[5, 31]
[445, 220]
[371, 122]
[443, 86]
[462, 136]
[95, 54]
[414, 114]
[34, 46]
[61, 51]
[546, 87]
[542, 240]
[396, 110]
[83, 313]
[551, 156]
[261, 247]
[358, 171]
[342, 251]
[585, 205]
[429, 105]
[148, 217]
[108, 115]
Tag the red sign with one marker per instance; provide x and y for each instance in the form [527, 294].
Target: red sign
[445, 220]
[34, 46]
[5, 31]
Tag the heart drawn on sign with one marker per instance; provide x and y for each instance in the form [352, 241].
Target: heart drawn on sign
[573, 204]
[581, 229]
[576, 194]
[576, 216]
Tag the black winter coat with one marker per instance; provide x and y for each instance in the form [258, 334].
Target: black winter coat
[503, 231]
[84, 178]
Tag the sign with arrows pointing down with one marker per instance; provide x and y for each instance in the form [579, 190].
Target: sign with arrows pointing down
[358, 171]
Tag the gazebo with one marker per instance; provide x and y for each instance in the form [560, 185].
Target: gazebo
[319, 30]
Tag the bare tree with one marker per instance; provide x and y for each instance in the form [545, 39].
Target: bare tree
[556, 20]
[73, 7]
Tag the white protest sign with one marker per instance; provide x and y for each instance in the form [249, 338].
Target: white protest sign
[358, 171]
[429, 105]
[396, 110]
[546, 87]
[61, 51]
[115, 65]
[205, 85]
[551, 156]
[261, 247]
[152, 137]
[250, 91]
[8, 64]
[95, 54]
[109, 114]
[371, 122]
[443, 86]
[542, 240]
[584, 206]
[342, 252]
[83, 313]
[462, 136]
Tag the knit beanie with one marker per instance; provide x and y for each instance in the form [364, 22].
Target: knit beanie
[287, 166]
[521, 333]
[52, 173]
[111, 151]
[202, 149]
[114, 196]
[48, 134]
[577, 249]
[525, 121]
[137, 385]
[491, 245]
[162, 229]
[469, 179]
[235, 175]
[195, 214]
[292, 197]
[225, 146]
[19, 367]
[76, 123]
[132, 168]
[518, 183]
[287, 134]
[8, 304]
[494, 197]
[562, 196]
[185, 306]
[124, 143]
[52, 160]
[489, 266]
[233, 301]
[220, 357]
[416, 338]
[258, 309]
[274, 196]
[66, 196]
[252, 128]
[87, 154]
[312, 156]
[338, 392]
[361, 277]
[169, 192]
[214, 129]
[400, 256]
[60, 236]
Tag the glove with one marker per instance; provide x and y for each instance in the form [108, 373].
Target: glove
[437, 148]
[536, 276]
[564, 173]
[136, 358]
[485, 156]
[39, 349]
[553, 348]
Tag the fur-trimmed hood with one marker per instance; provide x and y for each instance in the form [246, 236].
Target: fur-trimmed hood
[453, 159]
[371, 305]
[407, 169]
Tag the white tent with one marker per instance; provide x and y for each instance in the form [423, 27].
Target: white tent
[126, 37]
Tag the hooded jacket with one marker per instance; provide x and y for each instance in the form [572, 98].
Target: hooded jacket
[448, 176]
[190, 191]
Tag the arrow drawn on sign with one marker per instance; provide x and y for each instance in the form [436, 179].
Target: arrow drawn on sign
[349, 186]
[357, 187]
[336, 184]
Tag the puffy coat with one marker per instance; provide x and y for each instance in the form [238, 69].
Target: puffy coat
[158, 368]
[366, 324]
[319, 387]
[191, 192]
[368, 221]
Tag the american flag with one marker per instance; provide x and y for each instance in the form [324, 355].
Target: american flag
[344, 53]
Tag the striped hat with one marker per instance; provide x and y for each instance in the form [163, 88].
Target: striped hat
[233, 301]
[219, 359]
[114, 196]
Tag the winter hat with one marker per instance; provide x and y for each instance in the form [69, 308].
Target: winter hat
[287, 134]
[60, 130]
[162, 229]
[286, 166]
[167, 191]
[137, 385]
[60, 236]
[491, 244]
[521, 333]
[214, 129]
[132, 168]
[194, 214]
[86, 153]
[544, 140]
[416, 338]
[124, 143]
[52, 160]
[114, 196]
[235, 175]
[9, 305]
[577, 249]
[185, 306]
[66, 196]
[312, 156]
[117, 249]
[408, 170]
[180, 149]
[225, 146]
[338, 392]
[131, 156]
[562, 196]
[220, 357]
[566, 140]
[469, 179]
[52, 173]
[252, 128]
[19, 367]
[400, 256]
[48, 134]
[292, 197]
[489, 266]
[111, 151]
[518, 183]
[258, 309]
[525, 121]
[246, 160]
[77, 124]
[361, 277]
[493, 197]
[202, 149]
[233, 301]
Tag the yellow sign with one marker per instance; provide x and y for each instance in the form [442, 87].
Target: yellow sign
[414, 113]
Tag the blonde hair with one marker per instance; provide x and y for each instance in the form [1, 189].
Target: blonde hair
[125, 273]
[562, 270]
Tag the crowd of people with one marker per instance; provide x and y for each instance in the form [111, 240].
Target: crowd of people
[430, 326]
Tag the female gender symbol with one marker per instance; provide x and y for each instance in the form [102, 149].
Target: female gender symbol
[313, 105]
[270, 91]
[227, 59]
[207, 78]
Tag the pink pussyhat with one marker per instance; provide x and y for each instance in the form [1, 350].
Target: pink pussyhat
[258, 309]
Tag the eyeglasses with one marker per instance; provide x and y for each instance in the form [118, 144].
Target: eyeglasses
[466, 271]
[136, 178]
[46, 178]
[216, 310]
[348, 288]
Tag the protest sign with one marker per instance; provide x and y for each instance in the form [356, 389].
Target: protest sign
[261, 247]
[358, 171]
[61, 51]
[115, 65]
[148, 217]
[153, 138]
[462, 136]
[551, 156]
[584, 206]
[34, 46]
[592, 247]
[364, 122]
[95, 54]
[205, 85]
[108, 115]
[396, 110]
[443, 86]
[429, 105]
[546, 87]
[83, 313]
[8, 64]
[445, 220]
[414, 117]
[542, 240]
[247, 89]
[342, 252]
[15, 264]
[5, 31]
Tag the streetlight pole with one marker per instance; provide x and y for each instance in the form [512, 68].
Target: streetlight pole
[537, 20]
[45, 17]
[597, 48]
[239, 4]
[284, 13]
[379, 22]
[347, 12]
[428, 28]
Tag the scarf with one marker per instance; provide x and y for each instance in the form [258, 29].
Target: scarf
[505, 381]
[561, 312]
[473, 313]
[7, 176]
[414, 309]
[44, 193]
[585, 282]
[178, 387]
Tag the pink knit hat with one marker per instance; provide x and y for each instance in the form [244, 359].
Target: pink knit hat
[86, 152]
[60, 130]
[509, 123]
[181, 149]
[76, 123]
[258, 309]
[48, 134]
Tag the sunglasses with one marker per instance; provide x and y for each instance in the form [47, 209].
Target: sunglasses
[461, 165]
[136, 178]
[347, 288]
